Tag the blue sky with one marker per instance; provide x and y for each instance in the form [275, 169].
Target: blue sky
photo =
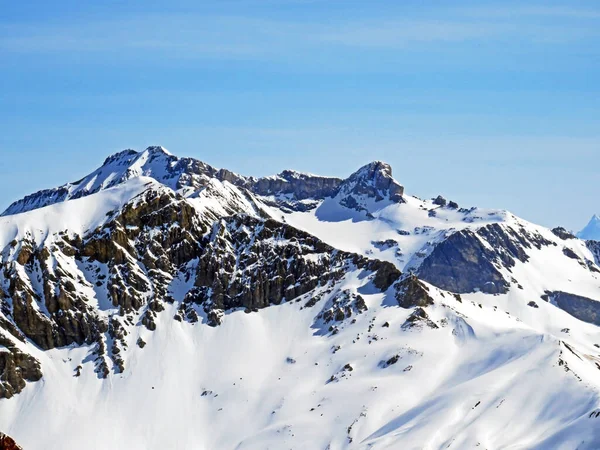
[493, 104]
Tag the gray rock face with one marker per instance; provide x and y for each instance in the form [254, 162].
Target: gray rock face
[418, 319]
[463, 264]
[410, 292]
[594, 247]
[373, 180]
[300, 185]
[563, 233]
[440, 201]
[242, 267]
[582, 308]
[16, 368]
[236, 261]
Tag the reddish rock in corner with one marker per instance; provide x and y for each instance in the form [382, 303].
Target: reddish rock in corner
[7, 443]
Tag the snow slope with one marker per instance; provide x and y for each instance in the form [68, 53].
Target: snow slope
[261, 381]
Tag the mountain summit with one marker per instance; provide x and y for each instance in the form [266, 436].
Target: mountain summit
[160, 302]
[592, 230]
[188, 176]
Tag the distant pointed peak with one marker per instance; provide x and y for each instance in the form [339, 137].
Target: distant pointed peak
[592, 229]
[374, 180]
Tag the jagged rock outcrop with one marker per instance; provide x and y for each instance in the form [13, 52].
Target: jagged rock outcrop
[90, 289]
[411, 292]
[594, 247]
[470, 261]
[342, 306]
[252, 263]
[563, 233]
[300, 185]
[373, 181]
[16, 368]
[417, 319]
[440, 201]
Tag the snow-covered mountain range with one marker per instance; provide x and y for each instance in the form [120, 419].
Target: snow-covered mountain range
[162, 303]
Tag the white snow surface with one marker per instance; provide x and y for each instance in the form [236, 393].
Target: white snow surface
[492, 375]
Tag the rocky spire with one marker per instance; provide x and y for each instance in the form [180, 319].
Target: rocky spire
[373, 180]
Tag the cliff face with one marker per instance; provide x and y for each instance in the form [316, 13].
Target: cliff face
[470, 261]
[92, 289]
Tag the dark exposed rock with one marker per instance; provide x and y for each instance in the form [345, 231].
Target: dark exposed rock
[411, 292]
[417, 319]
[440, 201]
[390, 362]
[384, 245]
[452, 205]
[72, 321]
[148, 320]
[267, 274]
[341, 306]
[592, 267]
[302, 186]
[374, 181]
[570, 253]
[8, 443]
[462, 263]
[386, 274]
[582, 308]
[563, 233]
[16, 368]
[594, 247]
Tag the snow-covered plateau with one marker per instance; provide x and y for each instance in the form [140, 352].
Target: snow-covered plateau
[162, 303]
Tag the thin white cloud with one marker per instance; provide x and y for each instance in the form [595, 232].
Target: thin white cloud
[194, 35]
[543, 11]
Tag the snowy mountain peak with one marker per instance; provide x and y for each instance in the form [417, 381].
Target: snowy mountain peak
[129, 155]
[373, 181]
[158, 149]
[373, 171]
[155, 162]
[592, 230]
